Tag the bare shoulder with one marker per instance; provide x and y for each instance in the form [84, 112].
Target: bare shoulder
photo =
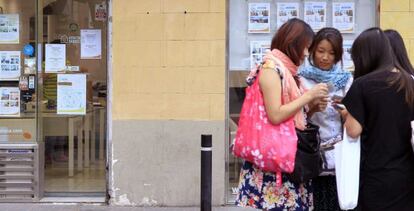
[269, 74]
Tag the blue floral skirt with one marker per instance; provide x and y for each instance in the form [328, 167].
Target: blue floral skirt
[258, 189]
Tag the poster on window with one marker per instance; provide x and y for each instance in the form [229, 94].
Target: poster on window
[100, 12]
[55, 60]
[71, 94]
[9, 101]
[91, 44]
[259, 21]
[343, 16]
[315, 15]
[346, 58]
[9, 29]
[9, 65]
[257, 50]
[286, 11]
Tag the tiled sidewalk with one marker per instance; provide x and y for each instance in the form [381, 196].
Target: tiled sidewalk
[98, 207]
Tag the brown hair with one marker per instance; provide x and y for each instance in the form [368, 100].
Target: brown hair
[334, 37]
[292, 38]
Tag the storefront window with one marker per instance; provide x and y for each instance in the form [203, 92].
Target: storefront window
[53, 79]
[252, 25]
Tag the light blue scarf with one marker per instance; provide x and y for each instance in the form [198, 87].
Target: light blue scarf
[336, 75]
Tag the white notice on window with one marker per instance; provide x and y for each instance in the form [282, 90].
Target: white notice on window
[9, 101]
[259, 21]
[343, 14]
[55, 57]
[286, 11]
[71, 94]
[91, 44]
[9, 29]
[9, 65]
[315, 15]
[257, 50]
[346, 58]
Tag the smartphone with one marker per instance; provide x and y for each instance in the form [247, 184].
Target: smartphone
[337, 98]
[338, 106]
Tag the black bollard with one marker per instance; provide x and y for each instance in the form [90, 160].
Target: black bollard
[205, 203]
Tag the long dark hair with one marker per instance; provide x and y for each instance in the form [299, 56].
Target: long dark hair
[334, 37]
[403, 80]
[372, 52]
[292, 38]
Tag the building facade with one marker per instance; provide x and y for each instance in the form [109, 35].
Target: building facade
[155, 75]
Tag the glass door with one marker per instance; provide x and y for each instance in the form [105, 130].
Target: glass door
[72, 95]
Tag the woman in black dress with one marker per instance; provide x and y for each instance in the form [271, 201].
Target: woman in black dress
[379, 108]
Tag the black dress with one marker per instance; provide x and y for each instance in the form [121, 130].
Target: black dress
[387, 158]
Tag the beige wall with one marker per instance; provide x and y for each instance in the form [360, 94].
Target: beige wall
[168, 78]
[169, 59]
[399, 15]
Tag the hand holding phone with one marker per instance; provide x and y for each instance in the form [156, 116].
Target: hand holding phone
[338, 106]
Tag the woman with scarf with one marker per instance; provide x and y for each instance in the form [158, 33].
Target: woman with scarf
[257, 188]
[324, 65]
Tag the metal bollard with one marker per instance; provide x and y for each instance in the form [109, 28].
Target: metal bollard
[206, 152]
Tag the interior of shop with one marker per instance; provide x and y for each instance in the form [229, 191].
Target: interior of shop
[53, 85]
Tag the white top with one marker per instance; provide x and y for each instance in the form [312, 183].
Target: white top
[329, 121]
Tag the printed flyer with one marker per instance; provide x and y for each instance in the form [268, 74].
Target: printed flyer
[55, 57]
[91, 44]
[9, 65]
[257, 50]
[9, 28]
[315, 15]
[286, 11]
[343, 14]
[346, 58]
[9, 101]
[71, 94]
[259, 21]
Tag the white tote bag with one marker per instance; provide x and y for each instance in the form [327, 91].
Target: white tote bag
[347, 162]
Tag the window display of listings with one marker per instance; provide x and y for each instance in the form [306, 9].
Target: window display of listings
[259, 21]
[9, 65]
[286, 11]
[257, 51]
[9, 28]
[9, 101]
[315, 14]
[347, 60]
[343, 16]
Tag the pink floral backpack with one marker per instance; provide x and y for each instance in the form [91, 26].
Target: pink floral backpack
[270, 147]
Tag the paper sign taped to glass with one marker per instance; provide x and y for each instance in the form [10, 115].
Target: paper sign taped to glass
[71, 94]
